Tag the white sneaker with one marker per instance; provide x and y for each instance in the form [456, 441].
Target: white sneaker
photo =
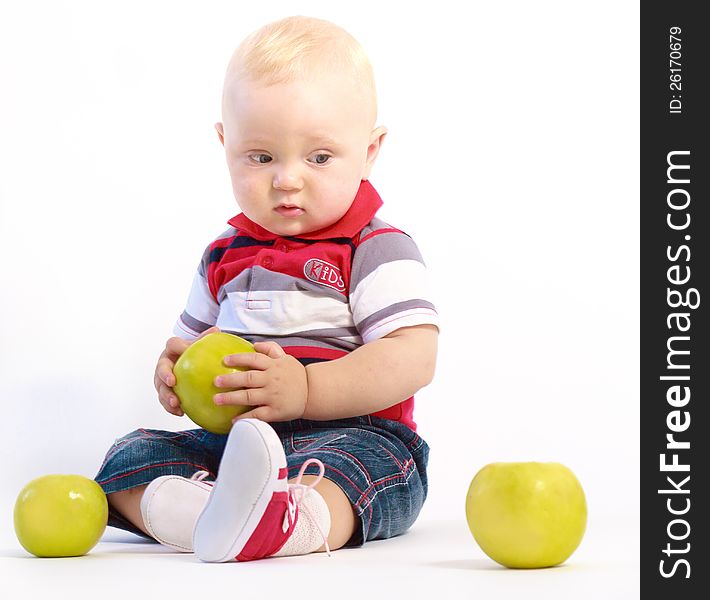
[253, 511]
[170, 506]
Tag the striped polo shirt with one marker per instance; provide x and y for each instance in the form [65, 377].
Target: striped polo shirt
[319, 295]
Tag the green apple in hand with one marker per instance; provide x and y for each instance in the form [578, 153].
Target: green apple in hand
[526, 515]
[60, 515]
[195, 371]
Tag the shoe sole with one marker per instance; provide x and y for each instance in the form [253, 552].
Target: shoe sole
[242, 492]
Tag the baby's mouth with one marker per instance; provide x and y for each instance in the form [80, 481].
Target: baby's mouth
[286, 210]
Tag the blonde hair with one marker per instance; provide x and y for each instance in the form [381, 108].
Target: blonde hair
[298, 48]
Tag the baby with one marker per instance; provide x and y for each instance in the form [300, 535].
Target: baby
[333, 299]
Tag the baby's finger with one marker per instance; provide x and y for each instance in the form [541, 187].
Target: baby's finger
[175, 346]
[164, 371]
[213, 329]
[244, 397]
[241, 379]
[271, 349]
[164, 398]
[262, 413]
[170, 401]
[249, 360]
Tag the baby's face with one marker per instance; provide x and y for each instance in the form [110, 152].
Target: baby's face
[297, 151]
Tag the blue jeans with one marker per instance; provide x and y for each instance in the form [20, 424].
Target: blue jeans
[379, 464]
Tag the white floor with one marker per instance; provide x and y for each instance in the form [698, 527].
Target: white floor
[437, 559]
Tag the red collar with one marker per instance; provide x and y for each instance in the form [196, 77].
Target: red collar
[366, 203]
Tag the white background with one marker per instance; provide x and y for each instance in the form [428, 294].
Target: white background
[512, 159]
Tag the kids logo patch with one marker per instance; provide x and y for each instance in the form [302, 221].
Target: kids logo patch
[322, 272]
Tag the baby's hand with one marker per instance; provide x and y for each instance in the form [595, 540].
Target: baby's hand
[164, 379]
[275, 384]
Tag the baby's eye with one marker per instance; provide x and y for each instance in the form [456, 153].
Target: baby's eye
[262, 159]
[321, 159]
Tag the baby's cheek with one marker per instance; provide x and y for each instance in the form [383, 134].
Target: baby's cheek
[248, 189]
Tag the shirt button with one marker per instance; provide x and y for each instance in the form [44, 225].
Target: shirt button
[267, 262]
[283, 248]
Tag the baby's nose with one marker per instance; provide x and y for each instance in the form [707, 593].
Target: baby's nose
[287, 178]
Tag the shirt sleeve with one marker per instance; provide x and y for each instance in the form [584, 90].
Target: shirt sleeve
[389, 286]
[202, 310]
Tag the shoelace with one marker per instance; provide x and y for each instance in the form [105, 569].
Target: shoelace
[298, 491]
[200, 475]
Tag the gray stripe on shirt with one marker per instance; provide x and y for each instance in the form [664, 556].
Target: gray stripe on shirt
[285, 341]
[193, 323]
[258, 279]
[380, 249]
[392, 309]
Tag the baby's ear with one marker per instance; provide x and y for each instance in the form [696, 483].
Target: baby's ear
[220, 131]
[376, 138]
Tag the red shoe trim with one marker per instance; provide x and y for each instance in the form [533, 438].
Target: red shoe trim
[269, 537]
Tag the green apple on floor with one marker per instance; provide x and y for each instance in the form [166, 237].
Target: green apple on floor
[195, 371]
[526, 515]
[60, 515]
